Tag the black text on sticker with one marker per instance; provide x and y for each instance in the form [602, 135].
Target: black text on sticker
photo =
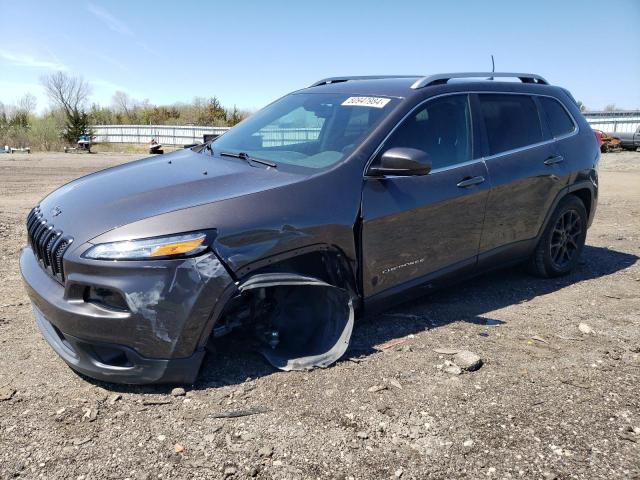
[376, 102]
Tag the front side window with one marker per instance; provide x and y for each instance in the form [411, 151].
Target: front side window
[512, 121]
[560, 123]
[441, 128]
[312, 130]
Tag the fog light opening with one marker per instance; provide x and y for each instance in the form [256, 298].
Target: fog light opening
[110, 356]
[106, 298]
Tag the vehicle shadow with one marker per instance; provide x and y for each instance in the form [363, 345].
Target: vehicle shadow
[469, 301]
[236, 360]
[472, 300]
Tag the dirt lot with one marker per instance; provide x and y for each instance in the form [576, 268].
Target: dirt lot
[549, 402]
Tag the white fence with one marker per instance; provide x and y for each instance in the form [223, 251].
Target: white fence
[164, 134]
[287, 136]
[183, 135]
[613, 122]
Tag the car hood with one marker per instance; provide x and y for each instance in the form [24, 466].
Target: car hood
[102, 201]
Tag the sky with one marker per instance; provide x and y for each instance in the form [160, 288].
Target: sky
[248, 53]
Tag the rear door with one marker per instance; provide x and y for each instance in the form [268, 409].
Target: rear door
[525, 168]
[563, 129]
[418, 227]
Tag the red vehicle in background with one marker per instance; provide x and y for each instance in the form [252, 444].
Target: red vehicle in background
[598, 134]
[607, 142]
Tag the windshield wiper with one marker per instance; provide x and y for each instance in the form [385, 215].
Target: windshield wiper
[246, 157]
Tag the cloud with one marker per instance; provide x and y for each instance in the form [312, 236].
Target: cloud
[110, 21]
[100, 83]
[115, 24]
[13, 91]
[21, 60]
[111, 60]
[148, 49]
[103, 90]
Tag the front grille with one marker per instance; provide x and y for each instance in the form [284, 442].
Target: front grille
[48, 243]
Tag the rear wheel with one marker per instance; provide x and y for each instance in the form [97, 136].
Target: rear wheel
[561, 244]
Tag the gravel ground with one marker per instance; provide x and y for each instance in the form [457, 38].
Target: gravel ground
[550, 401]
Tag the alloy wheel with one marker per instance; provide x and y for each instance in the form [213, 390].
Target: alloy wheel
[565, 239]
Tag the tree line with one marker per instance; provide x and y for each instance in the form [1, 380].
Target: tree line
[71, 114]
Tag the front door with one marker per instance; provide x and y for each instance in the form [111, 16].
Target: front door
[417, 227]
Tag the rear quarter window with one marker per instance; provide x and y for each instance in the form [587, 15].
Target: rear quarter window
[560, 123]
[512, 121]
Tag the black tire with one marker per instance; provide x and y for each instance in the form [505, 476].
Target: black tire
[562, 241]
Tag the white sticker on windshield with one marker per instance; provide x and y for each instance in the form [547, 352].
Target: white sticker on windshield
[375, 102]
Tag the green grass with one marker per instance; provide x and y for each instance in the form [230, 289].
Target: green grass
[126, 148]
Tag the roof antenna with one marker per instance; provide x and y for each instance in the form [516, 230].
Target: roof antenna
[493, 66]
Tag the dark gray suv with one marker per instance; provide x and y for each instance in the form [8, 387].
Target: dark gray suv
[336, 199]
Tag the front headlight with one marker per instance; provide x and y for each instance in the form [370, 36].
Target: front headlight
[152, 248]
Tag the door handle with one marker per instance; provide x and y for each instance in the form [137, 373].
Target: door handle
[554, 159]
[471, 181]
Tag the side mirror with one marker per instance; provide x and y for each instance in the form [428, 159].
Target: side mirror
[402, 161]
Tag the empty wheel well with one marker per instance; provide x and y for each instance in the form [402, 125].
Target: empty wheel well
[584, 194]
[300, 310]
[330, 266]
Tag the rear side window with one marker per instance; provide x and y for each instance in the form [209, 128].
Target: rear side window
[559, 120]
[442, 128]
[512, 121]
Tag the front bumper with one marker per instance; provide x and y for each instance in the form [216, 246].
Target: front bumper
[158, 338]
[126, 365]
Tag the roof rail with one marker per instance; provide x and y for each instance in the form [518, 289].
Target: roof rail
[326, 81]
[442, 78]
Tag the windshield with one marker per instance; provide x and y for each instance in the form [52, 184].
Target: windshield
[314, 130]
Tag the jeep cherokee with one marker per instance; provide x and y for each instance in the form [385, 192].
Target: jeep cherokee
[335, 199]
